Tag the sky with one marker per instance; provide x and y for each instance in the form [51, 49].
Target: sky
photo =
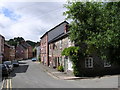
[29, 20]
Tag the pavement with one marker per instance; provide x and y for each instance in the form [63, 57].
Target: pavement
[67, 75]
[61, 75]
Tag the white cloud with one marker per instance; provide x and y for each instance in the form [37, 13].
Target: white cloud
[36, 18]
[33, 0]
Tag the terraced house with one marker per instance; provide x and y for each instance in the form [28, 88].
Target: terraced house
[9, 52]
[56, 40]
[56, 46]
[2, 40]
[52, 44]
[24, 51]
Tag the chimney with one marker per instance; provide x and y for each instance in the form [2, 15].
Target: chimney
[66, 28]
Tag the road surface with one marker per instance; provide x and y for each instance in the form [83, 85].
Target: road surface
[31, 75]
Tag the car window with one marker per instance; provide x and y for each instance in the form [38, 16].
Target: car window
[8, 62]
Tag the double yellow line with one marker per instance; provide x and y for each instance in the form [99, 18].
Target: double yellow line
[9, 84]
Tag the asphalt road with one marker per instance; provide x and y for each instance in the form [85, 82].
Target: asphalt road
[31, 75]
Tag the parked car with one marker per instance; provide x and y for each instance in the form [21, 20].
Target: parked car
[15, 63]
[4, 69]
[10, 65]
[34, 59]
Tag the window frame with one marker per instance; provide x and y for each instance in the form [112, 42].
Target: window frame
[60, 44]
[89, 62]
[107, 64]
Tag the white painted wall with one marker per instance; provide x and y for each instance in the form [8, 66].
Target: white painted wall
[70, 65]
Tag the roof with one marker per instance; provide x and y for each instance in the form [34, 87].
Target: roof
[54, 28]
[25, 45]
[20, 46]
[7, 45]
[2, 36]
[61, 36]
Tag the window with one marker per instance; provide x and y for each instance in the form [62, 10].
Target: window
[49, 47]
[69, 43]
[60, 44]
[53, 46]
[107, 64]
[89, 62]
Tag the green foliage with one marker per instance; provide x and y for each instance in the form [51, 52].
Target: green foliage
[70, 51]
[18, 40]
[73, 53]
[33, 44]
[15, 41]
[60, 68]
[96, 24]
[94, 27]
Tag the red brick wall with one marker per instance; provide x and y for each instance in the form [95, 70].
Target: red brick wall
[12, 54]
[30, 52]
[6, 53]
[44, 50]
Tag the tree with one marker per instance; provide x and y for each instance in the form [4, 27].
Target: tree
[15, 41]
[31, 43]
[96, 25]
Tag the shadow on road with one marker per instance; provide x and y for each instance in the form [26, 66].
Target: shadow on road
[20, 69]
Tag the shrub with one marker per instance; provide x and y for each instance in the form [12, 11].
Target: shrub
[60, 68]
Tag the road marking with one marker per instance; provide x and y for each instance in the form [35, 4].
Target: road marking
[3, 84]
[7, 84]
[10, 84]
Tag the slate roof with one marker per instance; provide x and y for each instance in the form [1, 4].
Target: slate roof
[7, 45]
[54, 28]
[24, 45]
[63, 35]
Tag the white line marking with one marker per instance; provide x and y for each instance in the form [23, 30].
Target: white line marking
[2, 83]
[10, 84]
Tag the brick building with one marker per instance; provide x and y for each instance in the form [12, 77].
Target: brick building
[2, 40]
[44, 49]
[47, 37]
[24, 51]
[9, 52]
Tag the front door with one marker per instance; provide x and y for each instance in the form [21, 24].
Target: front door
[65, 64]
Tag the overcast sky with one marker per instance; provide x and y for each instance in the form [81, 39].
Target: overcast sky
[29, 20]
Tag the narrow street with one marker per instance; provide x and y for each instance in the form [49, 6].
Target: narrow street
[32, 75]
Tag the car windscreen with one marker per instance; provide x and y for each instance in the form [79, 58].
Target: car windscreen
[8, 63]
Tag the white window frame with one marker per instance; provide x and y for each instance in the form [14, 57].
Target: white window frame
[89, 62]
[69, 43]
[60, 44]
[107, 64]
